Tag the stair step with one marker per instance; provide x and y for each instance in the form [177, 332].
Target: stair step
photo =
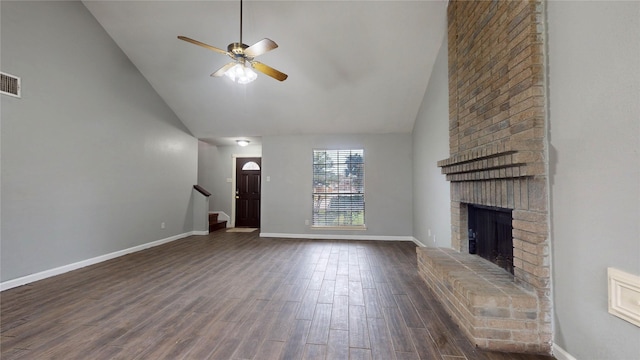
[213, 217]
[213, 226]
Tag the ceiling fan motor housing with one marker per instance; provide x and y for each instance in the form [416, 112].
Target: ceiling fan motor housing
[237, 48]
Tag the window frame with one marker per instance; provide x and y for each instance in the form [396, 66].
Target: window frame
[339, 182]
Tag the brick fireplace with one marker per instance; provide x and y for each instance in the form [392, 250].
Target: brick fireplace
[497, 140]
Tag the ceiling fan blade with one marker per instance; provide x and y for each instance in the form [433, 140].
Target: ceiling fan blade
[202, 44]
[260, 47]
[223, 69]
[268, 70]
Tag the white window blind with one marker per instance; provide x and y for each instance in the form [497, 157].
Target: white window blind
[338, 188]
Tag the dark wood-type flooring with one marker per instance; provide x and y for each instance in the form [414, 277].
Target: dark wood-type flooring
[238, 296]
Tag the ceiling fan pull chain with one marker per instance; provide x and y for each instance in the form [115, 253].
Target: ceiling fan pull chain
[241, 22]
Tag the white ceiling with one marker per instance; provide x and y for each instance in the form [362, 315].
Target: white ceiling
[353, 66]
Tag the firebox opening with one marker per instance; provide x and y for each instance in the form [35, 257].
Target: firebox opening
[490, 234]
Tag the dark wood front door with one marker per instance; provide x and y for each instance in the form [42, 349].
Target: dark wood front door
[248, 172]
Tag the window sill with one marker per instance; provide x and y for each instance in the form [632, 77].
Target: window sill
[358, 227]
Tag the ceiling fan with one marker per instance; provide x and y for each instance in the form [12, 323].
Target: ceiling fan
[240, 69]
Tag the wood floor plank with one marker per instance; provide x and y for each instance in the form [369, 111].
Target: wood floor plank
[105, 352]
[343, 264]
[327, 291]
[398, 331]
[360, 354]
[294, 347]
[407, 356]
[237, 296]
[340, 313]
[298, 290]
[381, 346]
[269, 350]
[251, 341]
[322, 264]
[315, 352]
[395, 281]
[356, 297]
[421, 300]
[354, 270]
[316, 280]
[408, 311]
[308, 305]
[58, 345]
[444, 339]
[201, 349]
[425, 346]
[367, 279]
[169, 348]
[93, 341]
[331, 270]
[338, 345]
[358, 328]
[371, 303]
[319, 332]
[342, 285]
[385, 296]
[225, 350]
[363, 260]
[284, 322]
[31, 333]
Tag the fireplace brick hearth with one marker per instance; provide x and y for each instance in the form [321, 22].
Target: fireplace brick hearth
[497, 142]
[489, 306]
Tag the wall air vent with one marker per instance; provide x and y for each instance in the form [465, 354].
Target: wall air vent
[9, 84]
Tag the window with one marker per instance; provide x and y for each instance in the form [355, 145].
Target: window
[338, 188]
[251, 165]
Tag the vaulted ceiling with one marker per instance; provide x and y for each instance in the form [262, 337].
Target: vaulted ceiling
[353, 66]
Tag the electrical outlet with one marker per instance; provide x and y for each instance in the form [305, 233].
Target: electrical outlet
[306, 222]
[429, 232]
[162, 225]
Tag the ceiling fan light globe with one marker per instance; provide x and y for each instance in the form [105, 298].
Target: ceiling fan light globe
[241, 74]
[234, 72]
[249, 76]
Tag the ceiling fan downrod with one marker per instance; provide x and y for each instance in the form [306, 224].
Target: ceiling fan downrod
[241, 22]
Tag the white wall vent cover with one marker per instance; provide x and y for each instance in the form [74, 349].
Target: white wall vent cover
[9, 84]
[624, 295]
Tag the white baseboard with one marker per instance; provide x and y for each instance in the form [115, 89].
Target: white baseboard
[418, 242]
[9, 284]
[561, 354]
[337, 237]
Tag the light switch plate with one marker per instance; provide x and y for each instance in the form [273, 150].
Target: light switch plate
[624, 295]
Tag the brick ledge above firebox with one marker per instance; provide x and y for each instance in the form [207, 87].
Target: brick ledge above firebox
[493, 311]
[495, 161]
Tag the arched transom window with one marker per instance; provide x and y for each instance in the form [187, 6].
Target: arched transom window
[251, 165]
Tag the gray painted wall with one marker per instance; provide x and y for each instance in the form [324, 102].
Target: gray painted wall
[287, 201]
[215, 166]
[92, 159]
[431, 195]
[594, 89]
